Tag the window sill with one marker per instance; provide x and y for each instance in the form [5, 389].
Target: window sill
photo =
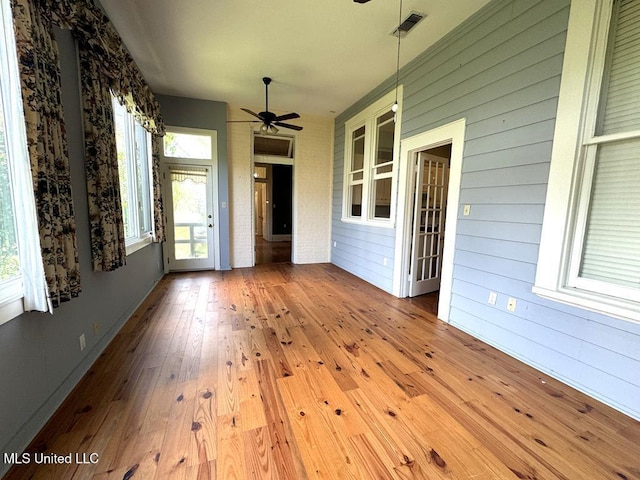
[614, 307]
[369, 223]
[11, 304]
[133, 245]
[11, 309]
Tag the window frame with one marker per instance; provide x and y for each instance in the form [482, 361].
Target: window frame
[28, 290]
[572, 166]
[368, 118]
[141, 236]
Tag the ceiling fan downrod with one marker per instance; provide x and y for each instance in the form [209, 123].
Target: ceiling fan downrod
[267, 81]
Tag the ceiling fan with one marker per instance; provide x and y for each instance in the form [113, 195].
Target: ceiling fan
[270, 121]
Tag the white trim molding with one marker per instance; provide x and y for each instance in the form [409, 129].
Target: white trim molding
[450, 133]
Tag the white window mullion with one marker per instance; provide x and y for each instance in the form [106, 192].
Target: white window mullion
[369, 149]
[132, 191]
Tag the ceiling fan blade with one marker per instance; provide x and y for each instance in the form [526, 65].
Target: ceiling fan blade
[251, 113]
[243, 121]
[288, 125]
[287, 116]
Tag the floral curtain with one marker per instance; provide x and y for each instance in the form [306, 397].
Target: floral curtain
[106, 68]
[47, 146]
[158, 206]
[93, 28]
[108, 249]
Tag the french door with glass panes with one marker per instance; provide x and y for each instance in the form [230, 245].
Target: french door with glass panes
[432, 179]
[189, 174]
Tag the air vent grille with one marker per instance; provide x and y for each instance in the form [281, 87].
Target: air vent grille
[408, 23]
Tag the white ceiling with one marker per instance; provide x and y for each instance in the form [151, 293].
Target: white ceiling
[323, 55]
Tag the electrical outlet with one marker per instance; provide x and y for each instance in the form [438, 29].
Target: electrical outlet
[96, 328]
[335, 244]
[384, 261]
[493, 297]
[83, 342]
[511, 304]
[466, 210]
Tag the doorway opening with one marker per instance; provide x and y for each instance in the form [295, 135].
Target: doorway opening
[189, 167]
[429, 219]
[273, 212]
[443, 212]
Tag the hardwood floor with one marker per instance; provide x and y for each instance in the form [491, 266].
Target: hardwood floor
[303, 371]
[272, 252]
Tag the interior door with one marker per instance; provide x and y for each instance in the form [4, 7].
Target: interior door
[189, 208]
[432, 179]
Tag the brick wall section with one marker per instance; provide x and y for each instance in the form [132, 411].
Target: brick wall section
[312, 184]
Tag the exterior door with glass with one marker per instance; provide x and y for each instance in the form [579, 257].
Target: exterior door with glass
[189, 174]
[190, 238]
[432, 179]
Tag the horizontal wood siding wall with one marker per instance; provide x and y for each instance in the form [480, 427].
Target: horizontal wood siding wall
[359, 249]
[501, 71]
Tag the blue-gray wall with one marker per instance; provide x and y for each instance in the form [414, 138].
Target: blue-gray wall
[208, 115]
[501, 71]
[40, 357]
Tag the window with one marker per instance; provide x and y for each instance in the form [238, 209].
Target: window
[22, 285]
[187, 145]
[371, 146]
[133, 143]
[590, 247]
[280, 146]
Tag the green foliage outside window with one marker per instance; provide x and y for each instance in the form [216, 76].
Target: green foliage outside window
[9, 264]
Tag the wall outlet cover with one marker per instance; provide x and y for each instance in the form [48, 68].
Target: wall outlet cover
[493, 297]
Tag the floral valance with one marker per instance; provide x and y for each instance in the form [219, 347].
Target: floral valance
[96, 33]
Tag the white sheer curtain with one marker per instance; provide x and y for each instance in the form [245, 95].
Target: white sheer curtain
[30, 257]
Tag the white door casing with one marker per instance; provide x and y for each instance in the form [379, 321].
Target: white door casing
[198, 150]
[450, 133]
[432, 178]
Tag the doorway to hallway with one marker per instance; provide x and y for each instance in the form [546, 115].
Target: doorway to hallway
[273, 193]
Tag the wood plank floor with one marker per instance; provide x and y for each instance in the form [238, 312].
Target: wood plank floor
[305, 372]
[272, 252]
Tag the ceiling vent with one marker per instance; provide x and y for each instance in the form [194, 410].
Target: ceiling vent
[408, 23]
